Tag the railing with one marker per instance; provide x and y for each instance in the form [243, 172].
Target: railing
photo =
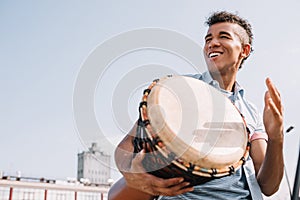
[25, 190]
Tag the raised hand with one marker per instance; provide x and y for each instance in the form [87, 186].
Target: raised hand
[273, 112]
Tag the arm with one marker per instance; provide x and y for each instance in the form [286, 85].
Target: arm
[120, 191]
[268, 156]
[123, 157]
[135, 182]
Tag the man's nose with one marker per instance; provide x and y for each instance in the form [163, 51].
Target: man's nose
[213, 43]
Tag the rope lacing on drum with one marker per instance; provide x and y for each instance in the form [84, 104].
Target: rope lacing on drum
[231, 170]
[243, 159]
[147, 91]
[191, 167]
[249, 144]
[213, 172]
[142, 141]
[248, 130]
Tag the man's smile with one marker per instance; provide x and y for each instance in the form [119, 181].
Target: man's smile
[214, 54]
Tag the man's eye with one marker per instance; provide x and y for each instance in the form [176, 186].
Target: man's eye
[224, 36]
[207, 40]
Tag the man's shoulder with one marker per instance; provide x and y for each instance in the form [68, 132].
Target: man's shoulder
[196, 76]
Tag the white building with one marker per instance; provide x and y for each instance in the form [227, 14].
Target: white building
[93, 166]
[13, 188]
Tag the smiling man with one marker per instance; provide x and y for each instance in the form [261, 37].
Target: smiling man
[227, 44]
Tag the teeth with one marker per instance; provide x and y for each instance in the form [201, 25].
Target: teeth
[214, 54]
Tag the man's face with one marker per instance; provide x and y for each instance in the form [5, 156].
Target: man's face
[223, 50]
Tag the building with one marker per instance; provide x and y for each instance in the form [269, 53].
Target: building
[17, 188]
[93, 166]
[93, 174]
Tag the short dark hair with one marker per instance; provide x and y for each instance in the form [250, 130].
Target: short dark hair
[224, 16]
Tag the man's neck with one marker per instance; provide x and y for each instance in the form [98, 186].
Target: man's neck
[226, 81]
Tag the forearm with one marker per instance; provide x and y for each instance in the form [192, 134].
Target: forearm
[120, 191]
[123, 157]
[271, 171]
[124, 154]
[124, 151]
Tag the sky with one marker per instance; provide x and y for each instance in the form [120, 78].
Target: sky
[47, 45]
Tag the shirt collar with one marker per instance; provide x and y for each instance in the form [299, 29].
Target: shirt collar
[238, 89]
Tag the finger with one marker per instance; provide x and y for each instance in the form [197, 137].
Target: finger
[267, 97]
[276, 112]
[272, 88]
[269, 104]
[274, 94]
[166, 183]
[174, 190]
[267, 100]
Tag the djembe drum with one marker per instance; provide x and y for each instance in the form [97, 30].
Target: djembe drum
[190, 129]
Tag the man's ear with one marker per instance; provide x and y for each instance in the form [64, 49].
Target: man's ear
[246, 50]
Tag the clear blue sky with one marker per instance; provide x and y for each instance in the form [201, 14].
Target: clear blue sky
[45, 43]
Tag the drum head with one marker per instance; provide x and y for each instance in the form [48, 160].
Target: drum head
[197, 122]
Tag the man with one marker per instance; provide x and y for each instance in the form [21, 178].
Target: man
[227, 44]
